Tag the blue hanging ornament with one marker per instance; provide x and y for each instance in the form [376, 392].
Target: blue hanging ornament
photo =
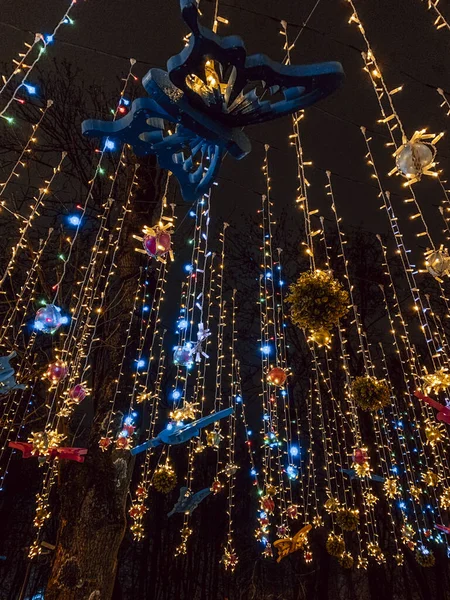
[197, 109]
[49, 319]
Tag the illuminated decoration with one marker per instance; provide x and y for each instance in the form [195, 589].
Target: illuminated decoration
[49, 319]
[213, 438]
[292, 472]
[434, 432]
[391, 488]
[408, 536]
[365, 471]
[415, 157]
[438, 263]
[335, 545]
[424, 556]
[216, 486]
[415, 492]
[292, 511]
[157, 240]
[185, 412]
[444, 500]
[104, 443]
[230, 560]
[268, 504]
[7, 375]
[123, 441]
[348, 519]
[78, 393]
[187, 501]
[57, 371]
[375, 552]
[369, 498]
[370, 394]
[289, 545]
[430, 478]
[317, 301]
[276, 376]
[332, 505]
[191, 106]
[182, 356]
[346, 560]
[43, 447]
[360, 456]
[181, 433]
[437, 381]
[43, 440]
[164, 479]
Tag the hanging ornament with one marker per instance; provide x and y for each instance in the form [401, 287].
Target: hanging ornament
[164, 479]
[399, 559]
[216, 486]
[391, 488]
[230, 469]
[425, 557]
[213, 438]
[137, 510]
[415, 492]
[271, 490]
[434, 432]
[271, 440]
[268, 552]
[430, 478]
[360, 456]
[122, 442]
[77, 394]
[415, 157]
[444, 500]
[268, 504]
[288, 545]
[408, 534]
[197, 350]
[348, 519]
[182, 356]
[157, 240]
[57, 371]
[335, 545]
[292, 511]
[104, 443]
[276, 377]
[230, 559]
[370, 393]
[318, 521]
[436, 381]
[185, 412]
[332, 505]
[438, 263]
[43, 440]
[292, 472]
[317, 302]
[369, 498]
[375, 552]
[346, 560]
[49, 319]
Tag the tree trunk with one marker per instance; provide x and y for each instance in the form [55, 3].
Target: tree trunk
[93, 495]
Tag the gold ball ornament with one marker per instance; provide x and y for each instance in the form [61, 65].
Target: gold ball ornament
[425, 557]
[332, 505]
[164, 479]
[370, 393]
[335, 545]
[430, 478]
[348, 519]
[444, 500]
[317, 302]
[346, 560]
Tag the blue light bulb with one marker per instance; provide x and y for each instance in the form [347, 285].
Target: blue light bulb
[265, 349]
[188, 268]
[74, 220]
[31, 89]
[110, 145]
[141, 363]
[176, 394]
[294, 451]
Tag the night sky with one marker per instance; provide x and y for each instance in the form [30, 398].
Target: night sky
[405, 42]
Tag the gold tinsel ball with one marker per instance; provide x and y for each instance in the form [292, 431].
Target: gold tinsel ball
[164, 479]
[346, 560]
[335, 545]
[444, 500]
[425, 557]
[348, 519]
[370, 393]
[317, 301]
[332, 505]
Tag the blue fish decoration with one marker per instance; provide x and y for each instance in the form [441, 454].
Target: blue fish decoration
[212, 89]
[188, 502]
[7, 375]
[175, 434]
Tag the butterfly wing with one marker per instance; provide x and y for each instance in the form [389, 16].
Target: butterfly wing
[284, 547]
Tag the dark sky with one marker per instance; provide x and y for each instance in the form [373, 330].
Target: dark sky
[407, 45]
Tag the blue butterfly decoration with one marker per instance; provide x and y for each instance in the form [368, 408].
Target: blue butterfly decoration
[196, 110]
[7, 375]
[188, 502]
